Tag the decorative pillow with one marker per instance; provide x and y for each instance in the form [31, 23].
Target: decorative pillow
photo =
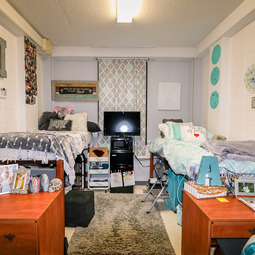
[209, 135]
[164, 132]
[60, 125]
[177, 125]
[93, 127]
[193, 133]
[79, 121]
[44, 120]
[219, 137]
[164, 121]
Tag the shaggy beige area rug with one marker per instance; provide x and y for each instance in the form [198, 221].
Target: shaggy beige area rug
[122, 226]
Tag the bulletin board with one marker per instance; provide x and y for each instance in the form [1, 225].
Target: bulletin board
[169, 96]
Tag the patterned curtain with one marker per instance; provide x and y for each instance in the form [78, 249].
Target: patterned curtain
[122, 87]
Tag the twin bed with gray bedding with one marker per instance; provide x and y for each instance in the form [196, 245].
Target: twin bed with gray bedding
[45, 146]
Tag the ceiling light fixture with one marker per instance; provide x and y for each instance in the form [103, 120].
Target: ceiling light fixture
[127, 9]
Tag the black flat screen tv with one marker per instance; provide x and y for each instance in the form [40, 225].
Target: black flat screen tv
[122, 123]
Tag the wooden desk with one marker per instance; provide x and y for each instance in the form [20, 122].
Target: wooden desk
[32, 223]
[206, 219]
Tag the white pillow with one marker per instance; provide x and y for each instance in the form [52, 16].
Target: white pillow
[164, 128]
[193, 133]
[79, 121]
[170, 128]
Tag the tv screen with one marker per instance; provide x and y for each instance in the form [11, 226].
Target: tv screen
[122, 123]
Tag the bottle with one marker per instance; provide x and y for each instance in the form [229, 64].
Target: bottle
[207, 180]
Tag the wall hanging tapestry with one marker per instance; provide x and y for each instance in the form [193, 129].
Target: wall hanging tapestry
[30, 72]
[122, 87]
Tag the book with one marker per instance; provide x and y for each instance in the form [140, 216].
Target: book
[249, 201]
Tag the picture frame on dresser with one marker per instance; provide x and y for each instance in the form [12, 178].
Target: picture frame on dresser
[20, 181]
[245, 187]
[6, 175]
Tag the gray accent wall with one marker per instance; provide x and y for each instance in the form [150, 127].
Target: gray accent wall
[186, 71]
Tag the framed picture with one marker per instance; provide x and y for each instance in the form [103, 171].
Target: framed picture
[6, 176]
[245, 187]
[74, 90]
[20, 181]
[3, 72]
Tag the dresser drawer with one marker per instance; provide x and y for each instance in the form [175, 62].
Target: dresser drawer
[232, 229]
[18, 238]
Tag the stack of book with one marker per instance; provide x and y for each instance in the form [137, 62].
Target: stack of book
[199, 191]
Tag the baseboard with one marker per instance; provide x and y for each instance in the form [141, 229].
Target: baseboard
[141, 182]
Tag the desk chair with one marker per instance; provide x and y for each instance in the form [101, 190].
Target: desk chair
[162, 179]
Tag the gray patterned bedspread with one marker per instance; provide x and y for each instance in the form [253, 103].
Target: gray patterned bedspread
[234, 150]
[45, 146]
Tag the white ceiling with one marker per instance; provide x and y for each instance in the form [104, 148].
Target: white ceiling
[92, 23]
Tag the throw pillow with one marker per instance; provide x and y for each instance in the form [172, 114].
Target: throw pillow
[170, 127]
[209, 135]
[193, 133]
[79, 121]
[219, 137]
[164, 132]
[60, 125]
[44, 120]
[93, 127]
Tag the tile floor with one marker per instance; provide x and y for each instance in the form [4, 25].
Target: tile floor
[169, 219]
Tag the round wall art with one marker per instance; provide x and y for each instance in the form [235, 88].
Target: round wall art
[215, 75]
[216, 54]
[214, 99]
[249, 79]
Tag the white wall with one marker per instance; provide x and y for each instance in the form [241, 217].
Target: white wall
[9, 105]
[69, 69]
[234, 116]
[241, 120]
[168, 71]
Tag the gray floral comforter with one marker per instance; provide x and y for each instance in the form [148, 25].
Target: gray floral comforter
[45, 146]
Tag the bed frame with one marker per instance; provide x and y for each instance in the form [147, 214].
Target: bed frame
[152, 165]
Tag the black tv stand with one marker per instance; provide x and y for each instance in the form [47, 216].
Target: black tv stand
[122, 158]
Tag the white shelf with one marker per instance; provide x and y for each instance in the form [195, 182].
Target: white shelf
[98, 178]
[98, 171]
[3, 96]
[99, 159]
[99, 184]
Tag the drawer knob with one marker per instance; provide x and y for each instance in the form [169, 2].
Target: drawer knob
[252, 231]
[9, 237]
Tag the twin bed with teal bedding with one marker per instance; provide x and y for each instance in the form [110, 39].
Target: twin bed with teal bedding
[184, 156]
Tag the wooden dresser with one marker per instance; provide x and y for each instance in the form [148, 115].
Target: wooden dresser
[206, 219]
[32, 224]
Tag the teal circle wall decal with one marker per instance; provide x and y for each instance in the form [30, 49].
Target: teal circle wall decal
[214, 99]
[216, 54]
[215, 75]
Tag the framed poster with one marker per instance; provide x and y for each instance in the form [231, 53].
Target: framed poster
[169, 96]
[74, 90]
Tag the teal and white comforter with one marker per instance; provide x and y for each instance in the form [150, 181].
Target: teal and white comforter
[183, 155]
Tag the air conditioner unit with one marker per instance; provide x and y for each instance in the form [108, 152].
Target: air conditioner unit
[47, 47]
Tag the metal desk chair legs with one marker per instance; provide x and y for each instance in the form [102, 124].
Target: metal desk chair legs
[163, 179]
